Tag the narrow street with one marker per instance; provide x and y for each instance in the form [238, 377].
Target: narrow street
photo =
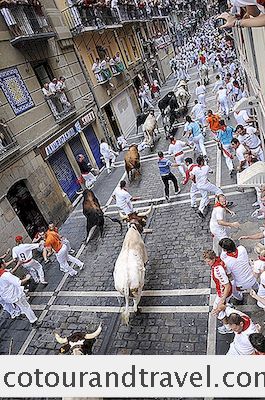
[177, 296]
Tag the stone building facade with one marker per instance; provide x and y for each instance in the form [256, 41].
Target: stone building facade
[41, 135]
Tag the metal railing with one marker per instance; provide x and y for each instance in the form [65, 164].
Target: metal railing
[80, 18]
[25, 20]
[60, 106]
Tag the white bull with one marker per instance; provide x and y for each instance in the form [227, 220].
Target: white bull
[149, 127]
[204, 74]
[129, 268]
[181, 93]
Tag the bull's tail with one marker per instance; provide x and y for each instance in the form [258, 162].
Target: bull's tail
[126, 313]
[114, 220]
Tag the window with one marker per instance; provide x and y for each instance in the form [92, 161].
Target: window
[43, 72]
[253, 54]
[134, 47]
[125, 50]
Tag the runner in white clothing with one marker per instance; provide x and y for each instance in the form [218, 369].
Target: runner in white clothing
[218, 223]
[200, 176]
[238, 265]
[22, 253]
[200, 93]
[242, 326]
[247, 135]
[198, 114]
[108, 154]
[124, 199]
[176, 148]
[12, 294]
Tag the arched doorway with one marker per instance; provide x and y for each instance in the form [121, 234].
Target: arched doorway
[25, 207]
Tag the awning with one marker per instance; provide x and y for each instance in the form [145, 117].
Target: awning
[252, 176]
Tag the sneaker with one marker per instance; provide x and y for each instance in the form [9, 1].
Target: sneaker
[44, 282]
[229, 203]
[231, 173]
[223, 330]
[177, 192]
[79, 192]
[256, 204]
[167, 199]
[81, 267]
[194, 206]
[46, 261]
[71, 251]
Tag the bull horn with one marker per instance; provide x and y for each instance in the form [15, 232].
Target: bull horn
[123, 217]
[60, 339]
[146, 213]
[94, 334]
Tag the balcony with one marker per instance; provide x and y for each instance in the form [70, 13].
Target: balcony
[106, 69]
[26, 23]
[60, 107]
[8, 145]
[81, 18]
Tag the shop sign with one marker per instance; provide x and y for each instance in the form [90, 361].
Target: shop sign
[61, 140]
[88, 118]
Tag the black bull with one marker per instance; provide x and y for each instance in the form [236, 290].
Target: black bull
[94, 215]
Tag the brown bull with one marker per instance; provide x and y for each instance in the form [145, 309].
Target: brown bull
[132, 162]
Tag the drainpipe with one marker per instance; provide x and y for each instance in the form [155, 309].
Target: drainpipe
[99, 112]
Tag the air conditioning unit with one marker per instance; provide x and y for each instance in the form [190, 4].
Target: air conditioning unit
[246, 103]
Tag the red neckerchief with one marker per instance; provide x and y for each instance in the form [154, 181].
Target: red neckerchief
[235, 254]
[246, 323]
[218, 261]
[223, 128]
[173, 141]
[261, 258]
[218, 205]
[2, 271]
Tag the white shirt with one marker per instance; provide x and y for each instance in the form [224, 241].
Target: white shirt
[221, 94]
[198, 111]
[23, 251]
[261, 291]
[52, 87]
[10, 287]
[200, 90]
[241, 117]
[201, 175]
[250, 138]
[240, 152]
[239, 267]
[258, 266]
[105, 150]
[217, 85]
[176, 148]
[123, 200]
[241, 344]
[218, 214]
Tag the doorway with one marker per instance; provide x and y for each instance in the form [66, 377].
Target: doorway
[112, 120]
[25, 207]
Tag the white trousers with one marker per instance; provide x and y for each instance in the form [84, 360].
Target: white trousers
[64, 258]
[109, 160]
[193, 191]
[204, 191]
[228, 160]
[222, 314]
[89, 179]
[238, 294]
[224, 106]
[35, 269]
[258, 153]
[25, 308]
[180, 160]
[201, 99]
[199, 144]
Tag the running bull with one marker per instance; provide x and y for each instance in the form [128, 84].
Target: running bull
[79, 343]
[132, 162]
[129, 268]
[94, 214]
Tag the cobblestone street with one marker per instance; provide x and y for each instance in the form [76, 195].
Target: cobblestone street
[177, 298]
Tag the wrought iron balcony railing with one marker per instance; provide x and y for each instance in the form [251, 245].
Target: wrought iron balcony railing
[8, 145]
[60, 107]
[25, 23]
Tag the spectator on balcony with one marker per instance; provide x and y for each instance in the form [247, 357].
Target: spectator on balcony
[105, 71]
[52, 85]
[118, 62]
[115, 11]
[10, 21]
[96, 68]
[60, 89]
[75, 20]
[50, 98]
